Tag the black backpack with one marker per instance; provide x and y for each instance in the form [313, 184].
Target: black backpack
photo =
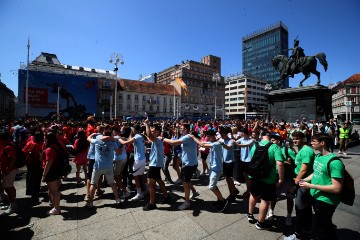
[259, 166]
[347, 195]
[63, 163]
[20, 158]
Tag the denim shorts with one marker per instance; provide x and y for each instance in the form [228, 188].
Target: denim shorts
[213, 179]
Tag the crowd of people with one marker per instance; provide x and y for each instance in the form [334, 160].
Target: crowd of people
[129, 156]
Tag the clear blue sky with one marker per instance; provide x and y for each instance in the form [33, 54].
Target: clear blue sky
[154, 35]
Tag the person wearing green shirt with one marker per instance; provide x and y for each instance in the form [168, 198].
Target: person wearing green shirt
[304, 161]
[265, 188]
[344, 135]
[325, 186]
[288, 155]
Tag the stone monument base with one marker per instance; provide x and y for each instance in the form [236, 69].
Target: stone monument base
[311, 102]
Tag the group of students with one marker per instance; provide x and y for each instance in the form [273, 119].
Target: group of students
[105, 152]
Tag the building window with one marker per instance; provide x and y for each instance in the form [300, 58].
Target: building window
[129, 97]
[151, 107]
[144, 108]
[128, 107]
[144, 98]
[158, 108]
[136, 107]
[164, 109]
[136, 97]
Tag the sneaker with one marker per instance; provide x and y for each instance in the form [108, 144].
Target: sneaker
[340, 152]
[166, 200]
[236, 192]
[149, 207]
[125, 195]
[5, 207]
[87, 198]
[100, 192]
[9, 211]
[263, 226]
[222, 205]
[270, 216]
[54, 211]
[89, 205]
[344, 153]
[291, 237]
[137, 197]
[250, 218]
[288, 221]
[237, 183]
[231, 198]
[184, 206]
[178, 181]
[193, 195]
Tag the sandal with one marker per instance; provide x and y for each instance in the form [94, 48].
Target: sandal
[54, 212]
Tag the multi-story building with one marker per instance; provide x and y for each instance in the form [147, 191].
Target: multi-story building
[7, 102]
[260, 47]
[346, 102]
[205, 86]
[138, 98]
[245, 97]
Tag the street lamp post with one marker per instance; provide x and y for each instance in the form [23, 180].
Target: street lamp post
[116, 58]
[216, 78]
[268, 88]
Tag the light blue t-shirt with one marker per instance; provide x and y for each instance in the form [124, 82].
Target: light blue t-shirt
[189, 151]
[122, 156]
[139, 148]
[157, 154]
[104, 154]
[228, 154]
[245, 151]
[216, 156]
[91, 151]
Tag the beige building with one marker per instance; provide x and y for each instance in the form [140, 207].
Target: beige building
[204, 85]
[253, 103]
[137, 98]
[347, 99]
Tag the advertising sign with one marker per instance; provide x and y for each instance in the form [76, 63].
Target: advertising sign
[77, 94]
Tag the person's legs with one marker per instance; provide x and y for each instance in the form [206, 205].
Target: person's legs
[84, 167]
[176, 166]
[55, 194]
[323, 227]
[152, 190]
[78, 167]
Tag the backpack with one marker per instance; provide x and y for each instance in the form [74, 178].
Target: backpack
[259, 166]
[347, 195]
[20, 158]
[63, 163]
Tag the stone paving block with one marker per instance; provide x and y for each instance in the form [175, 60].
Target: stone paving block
[114, 228]
[182, 228]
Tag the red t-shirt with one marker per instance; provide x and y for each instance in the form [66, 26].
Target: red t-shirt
[7, 154]
[50, 154]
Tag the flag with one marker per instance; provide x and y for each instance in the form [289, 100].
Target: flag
[182, 85]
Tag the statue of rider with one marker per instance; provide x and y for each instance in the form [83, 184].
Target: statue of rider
[297, 53]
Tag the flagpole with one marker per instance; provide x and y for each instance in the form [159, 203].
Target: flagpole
[245, 96]
[27, 80]
[174, 101]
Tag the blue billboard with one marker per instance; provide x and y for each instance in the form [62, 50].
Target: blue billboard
[77, 94]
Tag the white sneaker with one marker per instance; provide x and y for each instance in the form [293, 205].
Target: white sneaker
[9, 211]
[269, 217]
[125, 195]
[137, 197]
[194, 195]
[340, 152]
[237, 183]
[344, 153]
[184, 206]
[291, 237]
[288, 221]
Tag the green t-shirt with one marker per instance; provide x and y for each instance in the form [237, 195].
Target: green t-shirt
[274, 155]
[321, 177]
[289, 169]
[305, 155]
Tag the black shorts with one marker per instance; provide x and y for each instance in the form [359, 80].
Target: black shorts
[154, 173]
[187, 172]
[266, 192]
[90, 168]
[53, 174]
[228, 169]
[203, 156]
[244, 166]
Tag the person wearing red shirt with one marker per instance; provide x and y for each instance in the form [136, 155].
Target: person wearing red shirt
[8, 170]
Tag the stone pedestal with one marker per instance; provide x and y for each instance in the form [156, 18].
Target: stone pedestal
[311, 102]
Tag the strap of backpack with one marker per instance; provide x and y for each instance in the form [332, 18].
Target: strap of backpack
[332, 159]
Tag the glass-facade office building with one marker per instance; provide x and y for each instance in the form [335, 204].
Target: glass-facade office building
[260, 47]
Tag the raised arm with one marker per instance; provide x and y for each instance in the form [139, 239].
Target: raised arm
[149, 135]
[200, 143]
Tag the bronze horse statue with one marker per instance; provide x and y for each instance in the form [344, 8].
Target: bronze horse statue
[306, 65]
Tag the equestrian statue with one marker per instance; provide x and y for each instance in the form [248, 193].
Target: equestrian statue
[298, 63]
